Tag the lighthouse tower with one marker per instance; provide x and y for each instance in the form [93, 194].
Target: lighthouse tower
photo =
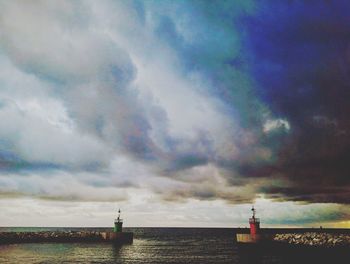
[254, 224]
[118, 224]
[256, 235]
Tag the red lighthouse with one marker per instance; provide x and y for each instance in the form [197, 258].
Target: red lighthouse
[254, 224]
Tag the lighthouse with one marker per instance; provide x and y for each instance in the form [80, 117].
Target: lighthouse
[256, 235]
[118, 236]
[118, 224]
[254, 224]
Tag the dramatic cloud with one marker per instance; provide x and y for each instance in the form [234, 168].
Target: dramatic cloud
[300, 60]
[175, 102]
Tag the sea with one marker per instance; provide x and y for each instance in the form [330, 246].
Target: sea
[150, 245]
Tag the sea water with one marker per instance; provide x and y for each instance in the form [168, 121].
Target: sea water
[150, 245]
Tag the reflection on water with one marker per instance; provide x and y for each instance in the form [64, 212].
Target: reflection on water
[141, 251]
[151, 245]
[56, 253]
[159, 246]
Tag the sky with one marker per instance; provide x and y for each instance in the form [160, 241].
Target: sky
[181, 113]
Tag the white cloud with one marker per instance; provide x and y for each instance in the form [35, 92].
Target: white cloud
[35, 135]
[275, 124]
[105, 66]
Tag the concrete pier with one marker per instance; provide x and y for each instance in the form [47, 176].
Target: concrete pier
[65, 237]
[119, 237]
[248, 238]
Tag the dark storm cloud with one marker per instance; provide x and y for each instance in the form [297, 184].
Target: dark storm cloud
[297, 56]
[299, 52]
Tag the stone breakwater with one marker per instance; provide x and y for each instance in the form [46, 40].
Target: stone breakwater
[60, 236]
[314, 239]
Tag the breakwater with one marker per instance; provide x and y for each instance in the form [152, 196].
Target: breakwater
[314, 239]
[65, 236]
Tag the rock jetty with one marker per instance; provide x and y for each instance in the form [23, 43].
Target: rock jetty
[60, 236]
[314, 239]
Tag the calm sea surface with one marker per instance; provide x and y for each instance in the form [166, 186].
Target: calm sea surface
[151, 245]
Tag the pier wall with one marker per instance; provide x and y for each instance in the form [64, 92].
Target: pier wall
[69, 236]
[248, 238]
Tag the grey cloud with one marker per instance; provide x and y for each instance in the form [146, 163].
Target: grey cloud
[100, 92]
[27, 138]
[58, 186]
[85, 70]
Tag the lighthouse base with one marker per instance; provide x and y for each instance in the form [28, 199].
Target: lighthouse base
[118, 237]
[257, 238]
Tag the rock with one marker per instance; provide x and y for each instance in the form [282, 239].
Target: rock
[314, 239]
